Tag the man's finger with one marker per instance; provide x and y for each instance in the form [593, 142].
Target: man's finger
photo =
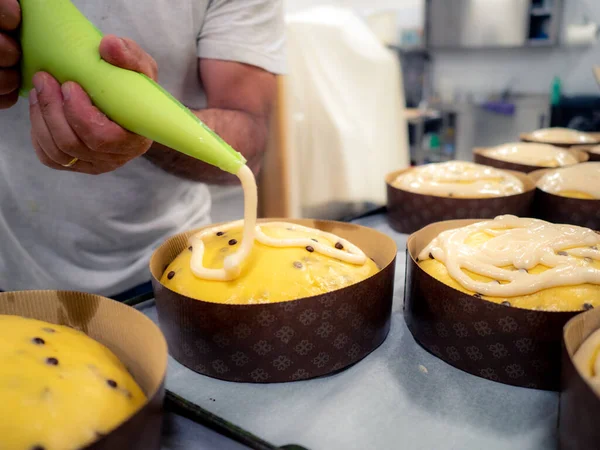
[127, 54]
[96, 130]
[9, 81]
[10, 15]
[9, 51]
[44, 159]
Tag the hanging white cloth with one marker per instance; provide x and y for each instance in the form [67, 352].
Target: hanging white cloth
[346, 110]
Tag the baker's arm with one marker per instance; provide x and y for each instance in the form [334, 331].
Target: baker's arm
[239, 102]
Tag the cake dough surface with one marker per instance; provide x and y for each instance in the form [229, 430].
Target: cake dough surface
[60, 389]
[459, 179]
[532, 154]
[580, 181]
[520, 262]
[271, 274]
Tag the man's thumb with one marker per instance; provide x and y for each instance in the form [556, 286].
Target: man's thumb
[127, 54]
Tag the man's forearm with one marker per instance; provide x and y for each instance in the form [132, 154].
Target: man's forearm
[244, 132]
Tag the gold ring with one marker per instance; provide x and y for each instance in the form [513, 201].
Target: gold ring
[72, 163]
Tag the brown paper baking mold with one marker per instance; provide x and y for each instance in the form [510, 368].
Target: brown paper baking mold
[130, 335]
[286, 341]
[480, 158]
[509, 345]
[557, 209]
[409, 212]
[579, 403]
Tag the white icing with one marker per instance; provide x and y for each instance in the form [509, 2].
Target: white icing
[459, 178]
[523, 243]
[233, 263]
[583, 177]
[563, 136]
[531, 154]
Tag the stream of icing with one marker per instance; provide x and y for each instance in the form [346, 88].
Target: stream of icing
[518, 243]
[233, 263]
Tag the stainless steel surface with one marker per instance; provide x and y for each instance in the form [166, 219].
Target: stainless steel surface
[477, 23]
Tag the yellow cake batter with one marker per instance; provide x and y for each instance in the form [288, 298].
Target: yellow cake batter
[60, 389]
[270, 274]
[587, 360]
[494, 249]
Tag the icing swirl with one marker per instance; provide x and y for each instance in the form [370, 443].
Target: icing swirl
[232, 266]
[459, 179]
[532, 154]
[583, 177]
[517, 243]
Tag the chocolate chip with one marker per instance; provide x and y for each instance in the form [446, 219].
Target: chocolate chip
[588, 306]
[112, 383]
[506, 303]
[38, 447]
[170, 275]
[220, 233]
[339, 246]
[431, 256]
[38, 341]
[48, 330]
[314, 240]
[190, 248]
[450, 194]
[562, 253]
[297, 264]
[232, 242]
[309, 249]
[52, 361]
[478, 295]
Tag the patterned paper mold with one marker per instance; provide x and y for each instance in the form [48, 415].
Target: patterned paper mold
[131, 336]
[579, 403]
[505, 344]
[409, 212]
[480, 158]
[558, 209]
[286, 341]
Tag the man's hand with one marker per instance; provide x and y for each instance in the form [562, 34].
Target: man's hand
[69, 133]
[10, 17]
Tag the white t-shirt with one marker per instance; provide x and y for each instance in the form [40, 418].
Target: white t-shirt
[62, 230]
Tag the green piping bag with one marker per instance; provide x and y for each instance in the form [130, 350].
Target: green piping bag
[57, 38]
